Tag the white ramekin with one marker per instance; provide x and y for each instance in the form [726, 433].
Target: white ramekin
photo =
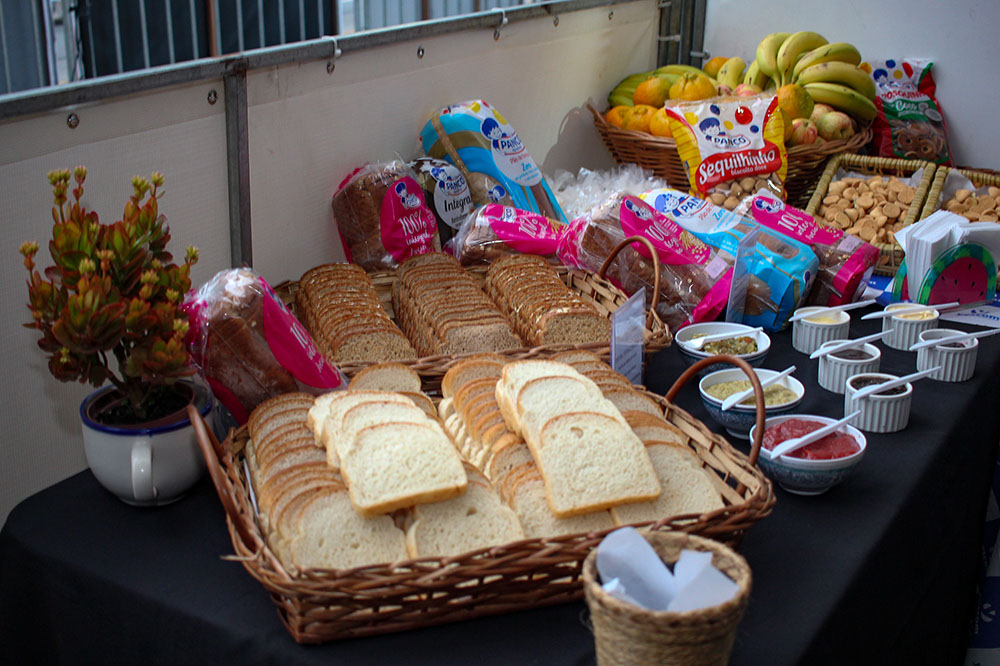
[879, 413]
[833, 371]
[807, 336]
[906, 332]
[957, 364]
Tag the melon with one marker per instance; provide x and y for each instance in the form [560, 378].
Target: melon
[964, 273]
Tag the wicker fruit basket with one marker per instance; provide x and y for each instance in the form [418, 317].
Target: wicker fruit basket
[979, 178]
[659, 155]
[890, 254]
[318, 605]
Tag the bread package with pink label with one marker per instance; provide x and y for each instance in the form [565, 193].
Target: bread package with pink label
[496, 231]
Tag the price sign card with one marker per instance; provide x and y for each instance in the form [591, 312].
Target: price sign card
[627, 323]
[741, 275]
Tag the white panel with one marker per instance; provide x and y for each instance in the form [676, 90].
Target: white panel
[174, 131]
[308, 129]
[960, 37]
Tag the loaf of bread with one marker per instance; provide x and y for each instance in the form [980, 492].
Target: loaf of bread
[340, 308]
[494, 232]
[442, 310]
[544, 310]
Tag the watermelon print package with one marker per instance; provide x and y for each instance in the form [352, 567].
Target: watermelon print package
[477, 139]
[495, 231]
[845, 261]
[694, 279]
[909, 123]
[731, 147]
[782, 269]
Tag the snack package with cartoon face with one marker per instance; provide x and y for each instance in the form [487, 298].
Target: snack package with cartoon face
[382, 217]
[845, 261]
[495, 231]
[446, 193]
[782, 269]
[731, 147]
[694, 280]
[476, 139]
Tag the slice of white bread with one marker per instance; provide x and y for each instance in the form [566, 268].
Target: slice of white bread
[518, 373]
[591, 461]
[366, 414]
[537, 520]
[654, 428]
[337, 405]
[387, 377]
[628, 399]
[545, 397]
[474, 367]
[686, 485]
[395, 465]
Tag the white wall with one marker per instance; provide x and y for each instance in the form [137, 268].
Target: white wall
[960, 36]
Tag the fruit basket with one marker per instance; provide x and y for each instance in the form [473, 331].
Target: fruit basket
[936, 193]
[890, 253]
[659, 155]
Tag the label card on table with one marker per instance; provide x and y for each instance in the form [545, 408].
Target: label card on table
[627, 323]
[741, 275]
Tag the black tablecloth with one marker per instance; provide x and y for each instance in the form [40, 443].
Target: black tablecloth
[881, 569]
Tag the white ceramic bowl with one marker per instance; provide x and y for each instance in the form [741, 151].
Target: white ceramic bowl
[807, 336]
[740, 418]
[809, 477]
[957, 363]
[906, 331]
[834, 371]
[879, 412]
[692, 356]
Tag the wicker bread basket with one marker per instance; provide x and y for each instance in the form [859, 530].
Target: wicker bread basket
[980, 178]
[318, 605]
[659, 155]
[890, 254]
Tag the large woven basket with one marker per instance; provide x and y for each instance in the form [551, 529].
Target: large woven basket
[659, 155]
[318, 605]
[979, 177]
[890, 254]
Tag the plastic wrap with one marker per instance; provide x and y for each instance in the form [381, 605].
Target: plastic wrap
[579, 192]
[495, 231]
[694, 279]
[445, 192]
[249, 347]
[782, 269]
[382, 217]
[845, 262]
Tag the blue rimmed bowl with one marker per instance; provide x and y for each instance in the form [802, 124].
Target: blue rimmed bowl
[692, 356]
[739, 419]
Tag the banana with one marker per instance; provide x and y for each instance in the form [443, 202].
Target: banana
[678, 69]
[621, 94]
[839, 72]
[792, 49]
[767, 53]
[842, 98]
[755, 77]
[731, 73]
[841, 51]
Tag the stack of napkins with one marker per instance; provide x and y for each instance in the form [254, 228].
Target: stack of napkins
[632, 571]
[926, 240]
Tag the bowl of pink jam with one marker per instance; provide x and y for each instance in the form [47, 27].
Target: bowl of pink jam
[816, 467]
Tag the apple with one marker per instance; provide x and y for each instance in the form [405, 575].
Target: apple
[747, 90]
[835, 125]
[804, 132]
[819, 110]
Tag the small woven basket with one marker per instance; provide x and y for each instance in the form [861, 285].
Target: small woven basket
[659, 155]
[979, 178]
[627, 635]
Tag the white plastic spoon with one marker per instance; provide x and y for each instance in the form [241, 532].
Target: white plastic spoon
[833, 308]
[826, 351]
[954, 338]
[698, 343]
[737, 398]
[909, 310]
[893, 383]
[791, 445]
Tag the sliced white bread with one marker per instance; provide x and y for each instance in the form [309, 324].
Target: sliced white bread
[337, 405]
[542, 398]
[537, 520]
[366, 414]
[387, 377]
[518, 373]
[628, 399]
[474, 367]
[654, 428]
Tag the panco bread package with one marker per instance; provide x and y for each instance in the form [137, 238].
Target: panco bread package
[694, 279]
[382, 217]
[477, 139]
[495, 231]
[446, 193]
[845, 262]
[731, 147]
[782, 269]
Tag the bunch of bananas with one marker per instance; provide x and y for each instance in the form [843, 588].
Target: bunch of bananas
[828, 72]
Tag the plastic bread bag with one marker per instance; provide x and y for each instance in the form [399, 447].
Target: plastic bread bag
[694, 279]
[731, 148]
[445, 192]
[382, 217]
[477, 139]
[249, 347]
[845, 261]
[782, 270]
[579, 192]
[495, 231]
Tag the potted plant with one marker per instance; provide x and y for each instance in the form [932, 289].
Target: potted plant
[108, 311]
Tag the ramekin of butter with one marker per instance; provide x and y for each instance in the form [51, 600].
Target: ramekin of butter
[811, 332]
[880, 412]
[907, 327]
[956, 359]
[834, 369]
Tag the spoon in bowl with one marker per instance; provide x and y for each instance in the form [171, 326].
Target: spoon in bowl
[796, 443]
[849, 344]
[737, 398]
[833, 308]
[697, 343]
[893, 383]
[909, 310]
[934, 342]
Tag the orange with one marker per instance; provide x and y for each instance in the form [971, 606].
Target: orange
[615, 116]
[659, 124]
[653, 91]
[713, 66]
[693, 87]
[638, 117]
[795, 101]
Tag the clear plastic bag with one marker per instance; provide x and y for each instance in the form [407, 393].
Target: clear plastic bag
[494, 231]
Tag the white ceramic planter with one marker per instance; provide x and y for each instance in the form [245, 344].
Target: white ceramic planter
[146, 466]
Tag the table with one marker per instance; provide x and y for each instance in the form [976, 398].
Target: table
[880, 569]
